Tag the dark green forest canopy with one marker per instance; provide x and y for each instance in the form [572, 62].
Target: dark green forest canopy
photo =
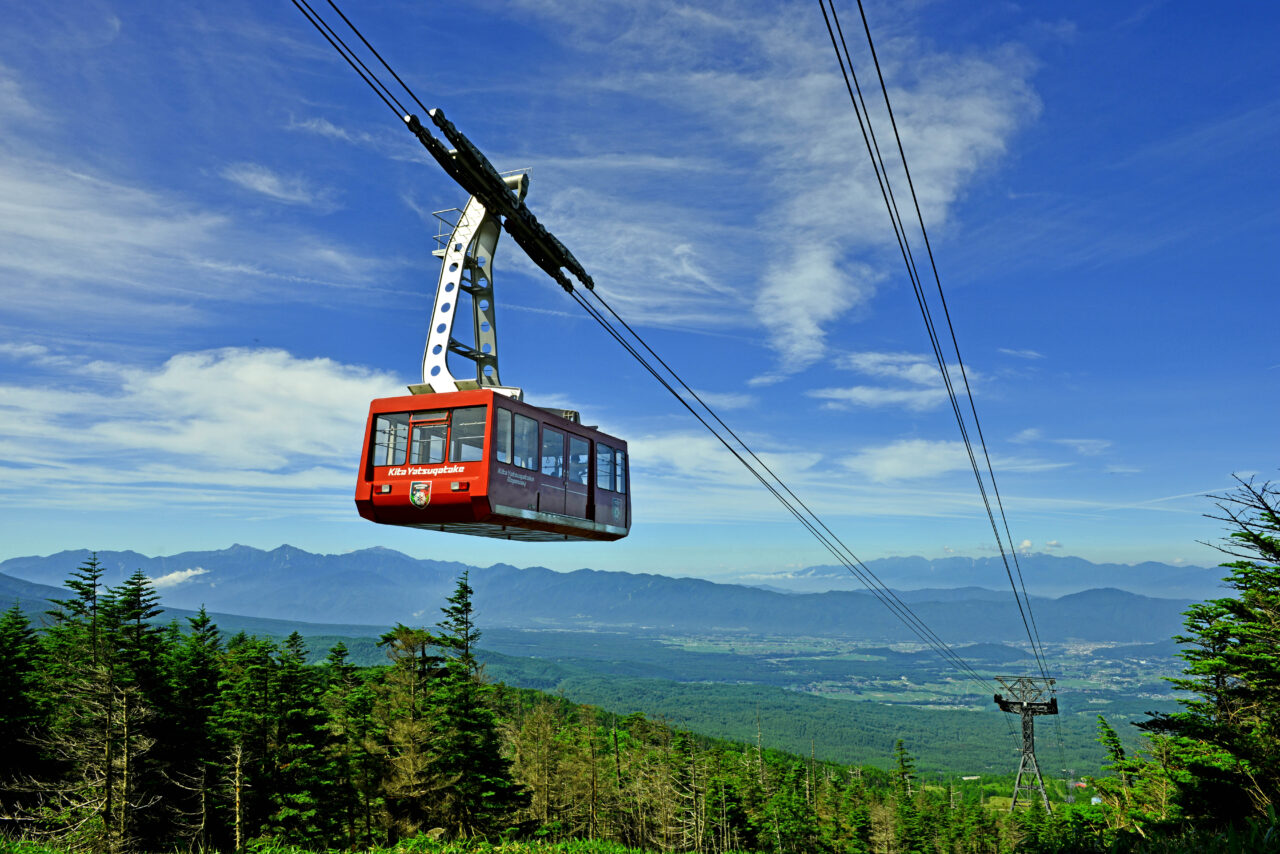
[123, 734]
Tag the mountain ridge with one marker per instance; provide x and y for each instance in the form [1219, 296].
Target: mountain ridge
[382, 587]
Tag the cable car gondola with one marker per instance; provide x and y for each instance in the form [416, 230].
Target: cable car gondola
[470, 456]
[480, 462]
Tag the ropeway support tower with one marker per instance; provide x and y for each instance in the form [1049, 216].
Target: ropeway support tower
[1028, 697]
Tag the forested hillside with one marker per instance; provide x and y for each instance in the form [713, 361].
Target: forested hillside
[125, 735]
[129, 736]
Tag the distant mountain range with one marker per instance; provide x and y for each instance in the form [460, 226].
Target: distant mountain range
[377, 588]
[1043, 574]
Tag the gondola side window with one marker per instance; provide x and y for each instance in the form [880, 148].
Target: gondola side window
[579, 460]
[604, 466]
[502, 435]
[525, 442]
[466, 434]
[552, 452]
[390, 439]
[620, 471]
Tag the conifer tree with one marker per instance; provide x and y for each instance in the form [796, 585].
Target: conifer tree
[411, 789]
[196, 753]
[244, 725]
[1226, 739]
[20, 714]
[300, 782]
[483, 794]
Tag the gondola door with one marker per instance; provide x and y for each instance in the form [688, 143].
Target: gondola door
[551, 489]
[577, 477]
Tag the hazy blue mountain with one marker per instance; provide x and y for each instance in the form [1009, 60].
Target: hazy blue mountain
[30, 596]
[380, 587]
[1043, 575]
[35, 601]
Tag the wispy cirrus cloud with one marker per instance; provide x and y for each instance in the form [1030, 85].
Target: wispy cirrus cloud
[1021, 354]
[1082, 446]
[910, 459]
[286, 189]
[876, 397]
[917, 382]
[14, 105]
[751, 90]
[82, 247]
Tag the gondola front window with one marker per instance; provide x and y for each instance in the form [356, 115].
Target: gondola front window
[390, 439]
[427, 443]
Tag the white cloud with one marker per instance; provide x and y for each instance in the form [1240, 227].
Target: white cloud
[752, 83]
[1022, 354]
[14, 105]
[924, 387]
[1025, 547]
[289, 190]
[874, 396]
[79, 249]
[908, 459]
[177, 577]
[911, 367]
[232, 428]
[724, 400]
[1085, 447]
[1052, 544]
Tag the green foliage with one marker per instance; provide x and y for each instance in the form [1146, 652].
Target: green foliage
[1212, 770]
[147, 737]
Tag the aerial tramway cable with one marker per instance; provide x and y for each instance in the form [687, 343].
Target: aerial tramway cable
[933, 264]
[886, 189]
[556, 254]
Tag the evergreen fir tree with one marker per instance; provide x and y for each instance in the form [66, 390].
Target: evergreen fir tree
[196, 747]
[483, 793]
[300, 781]
[20, 715]
[244, 724]
[1226, 740]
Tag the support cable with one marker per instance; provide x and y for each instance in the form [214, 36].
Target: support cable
[354, 61]
[951, 328]
[885, 184]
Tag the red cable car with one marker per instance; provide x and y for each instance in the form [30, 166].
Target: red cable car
[479, 462]
[470, 456]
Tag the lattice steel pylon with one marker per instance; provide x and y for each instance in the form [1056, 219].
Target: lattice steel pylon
[1027, 699]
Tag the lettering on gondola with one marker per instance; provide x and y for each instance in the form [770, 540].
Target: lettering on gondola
[516, 478]
[429, 471]
[420, 493]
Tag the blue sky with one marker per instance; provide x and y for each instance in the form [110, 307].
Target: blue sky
[214, 250]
